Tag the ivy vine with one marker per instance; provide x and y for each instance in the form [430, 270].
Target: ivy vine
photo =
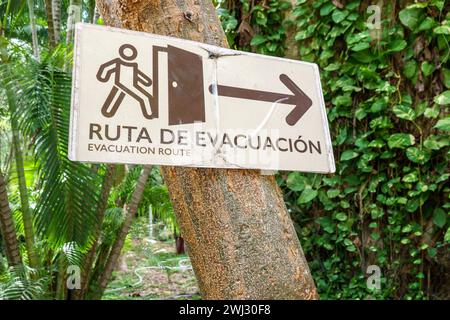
[387, 92]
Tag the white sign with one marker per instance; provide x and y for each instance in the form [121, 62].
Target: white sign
[146, 99]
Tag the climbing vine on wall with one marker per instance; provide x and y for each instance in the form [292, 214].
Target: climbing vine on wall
[387, 91]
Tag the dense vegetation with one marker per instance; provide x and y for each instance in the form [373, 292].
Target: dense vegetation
[387, 90]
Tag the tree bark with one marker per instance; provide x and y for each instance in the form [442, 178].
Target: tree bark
[23, 191]
[101, 208]
[130, 211]
[7, 228]
[91, 11]
[73, 17]
[291, 30]
[56, 12]
[240, 238]
[61, 288]
[34, 37]
[50, 26]
[96, 15]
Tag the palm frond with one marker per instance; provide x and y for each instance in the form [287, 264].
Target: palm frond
[73, 254]
[66, 208]
[114, 217]
[17, 284]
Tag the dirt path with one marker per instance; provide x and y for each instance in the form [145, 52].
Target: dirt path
[152, 270]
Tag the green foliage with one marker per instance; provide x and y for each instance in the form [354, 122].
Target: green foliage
[387, 99]
[257, 25]
[69, 190]
[18, 284]
[155, 197]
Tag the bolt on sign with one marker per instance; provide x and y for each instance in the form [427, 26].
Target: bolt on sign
[147, 99]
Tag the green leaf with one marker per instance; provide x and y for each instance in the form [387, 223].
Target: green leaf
[302, 35]
[412, 205]
[377, 143]
[348, 155]
[348, 242]
[442, 178]
[401, 140]
[411, 177]
[420, 108]
[410, 17]
[410, 69]
[418, 156]
[296, 181]
[339, 15]
[326, 9]
[332, 67]
[357, 37]
[396, 45]
[343, 100]
[439, 217]
[444, 29]
[342, 136]
[257, 40]
[341, 216]
[436, 142]
[404, 112]
[446, 76]
[432, 112]
[344, 204]
[353, 5]
[438, 4]
[443, 98]
[378, 105]
[447, 235]
[427, 68]
[427, 24]
[364, 57]
[443, 124]
[333, 193]
[307, 195]
[375, 235]
[360, 46]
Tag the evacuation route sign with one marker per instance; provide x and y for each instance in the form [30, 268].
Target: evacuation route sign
[147, 99]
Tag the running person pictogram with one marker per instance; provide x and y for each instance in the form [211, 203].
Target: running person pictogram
[123, 70]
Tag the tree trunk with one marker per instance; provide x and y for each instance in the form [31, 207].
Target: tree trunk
[23, 191]
[3, 22]
[291, 30]
[7, 227]
[50, 26]
[56, 12]
[73, 17]
[91, 11]
[61, 288]
[34, 37]
[179, 244]
[238, 232]
[101, 208]
[96, 15]
[130, 211]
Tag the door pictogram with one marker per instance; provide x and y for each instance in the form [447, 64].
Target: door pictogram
[185, 74]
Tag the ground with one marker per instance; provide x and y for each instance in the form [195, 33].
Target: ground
[150, 269]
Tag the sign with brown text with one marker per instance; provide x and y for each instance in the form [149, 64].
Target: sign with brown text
[147, 99]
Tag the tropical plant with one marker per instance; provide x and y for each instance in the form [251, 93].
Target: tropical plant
[386, 90]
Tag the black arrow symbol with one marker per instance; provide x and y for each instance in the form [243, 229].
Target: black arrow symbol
[301, 101]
